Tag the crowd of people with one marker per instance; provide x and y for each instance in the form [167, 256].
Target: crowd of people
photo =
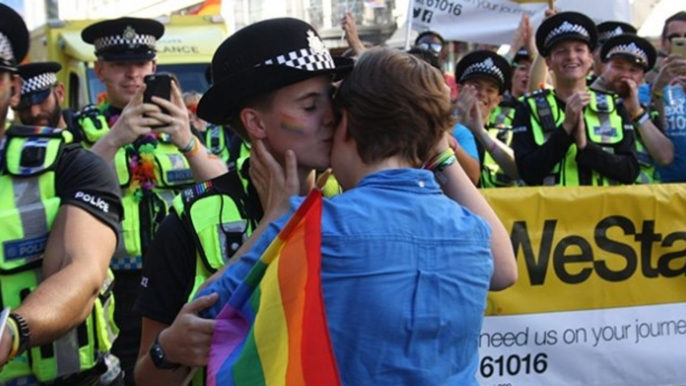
[126, 227]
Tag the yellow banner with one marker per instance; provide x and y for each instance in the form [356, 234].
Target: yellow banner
[592, 248]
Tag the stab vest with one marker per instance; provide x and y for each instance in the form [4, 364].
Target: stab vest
[28, 207]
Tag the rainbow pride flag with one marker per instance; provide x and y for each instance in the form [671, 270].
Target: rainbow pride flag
[273, 329]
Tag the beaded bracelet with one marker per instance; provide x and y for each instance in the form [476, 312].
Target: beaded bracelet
[439, 159]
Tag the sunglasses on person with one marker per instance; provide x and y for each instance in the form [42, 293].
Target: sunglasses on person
[433, 47]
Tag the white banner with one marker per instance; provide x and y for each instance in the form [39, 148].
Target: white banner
[634, 346]
[494, 21]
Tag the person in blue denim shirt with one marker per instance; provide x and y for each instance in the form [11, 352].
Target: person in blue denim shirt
[408, 256]
[666, 95]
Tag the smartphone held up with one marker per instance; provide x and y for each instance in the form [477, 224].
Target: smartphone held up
[679, 46]
[158, 85]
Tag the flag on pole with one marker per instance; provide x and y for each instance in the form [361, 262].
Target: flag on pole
[273, 329]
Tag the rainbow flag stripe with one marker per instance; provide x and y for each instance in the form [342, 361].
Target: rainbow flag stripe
[273, 329]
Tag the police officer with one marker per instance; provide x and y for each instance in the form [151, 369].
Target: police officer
[153, 151]
[280, 104]
[607, 30]
[484, 77]
[42, 96]
[59, 215]
[627, 59]
[521, 65]
[572, 135]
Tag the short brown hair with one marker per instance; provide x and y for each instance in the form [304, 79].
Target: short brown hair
[396, 104]
[679, 16]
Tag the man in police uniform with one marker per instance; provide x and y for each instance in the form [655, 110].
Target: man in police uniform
[285, 106]
[59, 214]
[484, 77]
[627, 59]
[572, 135]
[154, 153]
[42, 95]
[521, 65]
[607, 30]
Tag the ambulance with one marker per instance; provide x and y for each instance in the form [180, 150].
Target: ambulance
[185, 50]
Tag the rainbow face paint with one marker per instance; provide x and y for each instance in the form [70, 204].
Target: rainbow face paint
[291, 124]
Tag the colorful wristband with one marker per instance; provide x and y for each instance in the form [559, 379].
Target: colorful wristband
[439, 159]
[189, 147]
[451, 160]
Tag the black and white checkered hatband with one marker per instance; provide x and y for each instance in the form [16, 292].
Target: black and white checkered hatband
[39, 82]
[605, 36]
[305, 59]
[486, 67]
[566, 28]
[630, 49]
[129, 39]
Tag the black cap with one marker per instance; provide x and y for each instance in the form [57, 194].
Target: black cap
[14, 39]
[261, 58]
[565, 26]
[608, 29]
[124, 39]
[631, 47]
[522, 54]
[38, 80]
[484, 64]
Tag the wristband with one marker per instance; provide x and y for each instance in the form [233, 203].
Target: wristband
[22, 337]
[438, 171]
[451, 160]
[658, 93]
[14, 334]
[642, 119]
[189, 147]
[158, 357]
[192, 149]
[438, 159]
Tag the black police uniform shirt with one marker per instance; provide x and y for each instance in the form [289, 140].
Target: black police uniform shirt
[169, 263]
[85, 180]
